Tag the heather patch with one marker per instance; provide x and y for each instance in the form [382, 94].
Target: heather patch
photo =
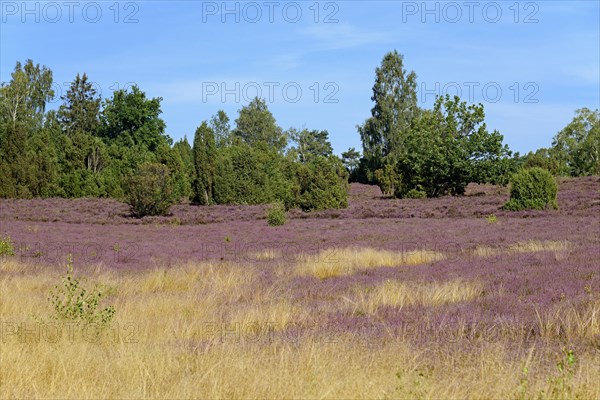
[269, 254]
[577, 196]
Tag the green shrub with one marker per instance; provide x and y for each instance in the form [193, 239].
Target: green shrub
[415, 194]
[532, 188]
[276, 214]
[322, 184]
[72, 302]
[150, 190]
[388, 180]
[7, 247]
[246, 175]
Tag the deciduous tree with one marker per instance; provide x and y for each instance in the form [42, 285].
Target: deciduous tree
[576, 148]
[395, 108]
[257, 127]
[130, 119]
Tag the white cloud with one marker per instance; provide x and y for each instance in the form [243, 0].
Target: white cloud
[342, 36]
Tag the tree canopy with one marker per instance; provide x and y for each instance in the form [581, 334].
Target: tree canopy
[407, 149]
[257, 127]
[95, 147]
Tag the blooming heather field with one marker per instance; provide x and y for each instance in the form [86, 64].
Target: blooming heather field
[429, 298]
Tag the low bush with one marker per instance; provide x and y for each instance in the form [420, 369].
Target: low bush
[72, 302]
[532, 188]
[276, 214]
[7, 247]
[415, 194]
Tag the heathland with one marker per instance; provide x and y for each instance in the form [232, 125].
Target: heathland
[447, 297]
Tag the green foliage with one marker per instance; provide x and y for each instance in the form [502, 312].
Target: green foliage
[388, 179]
[276, 214]
[187, 159]
[310, 144]
[13, 158]
[130, 119]
[322, 184]
[395, 98]
[532, 188]
[150, 190]
[171, 157]
[106, 148]
[43, 165]
[563, 384]
[448, 148]
[80, 111]
[576, 148]
[7, 183]
[415, 194]
[440, 150]
[23, 100]
[542, 158]
[22, 109]
[205, 158]
[257, 127]
[491, 219]
[7, 247]
[248, 175]
[219, 123]
[567, 363]
[351, 160]
[73, 302]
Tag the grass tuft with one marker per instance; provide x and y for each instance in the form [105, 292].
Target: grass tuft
[333, 262]
[399, 294]
[559, 247]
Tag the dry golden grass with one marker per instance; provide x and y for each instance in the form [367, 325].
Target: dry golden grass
[333, 262]
[217, 277]
[8, 264]
[172, 338]
[273, 315]
[265, 255]
[560, 249]
[399, 294]
[338, 262]
[570, 323]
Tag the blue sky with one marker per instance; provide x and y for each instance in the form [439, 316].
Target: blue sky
[531, 64]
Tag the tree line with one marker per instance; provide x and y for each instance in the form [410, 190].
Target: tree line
[105, 147]
[95, 147]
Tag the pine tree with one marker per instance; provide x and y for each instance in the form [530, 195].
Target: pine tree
[81, 109]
